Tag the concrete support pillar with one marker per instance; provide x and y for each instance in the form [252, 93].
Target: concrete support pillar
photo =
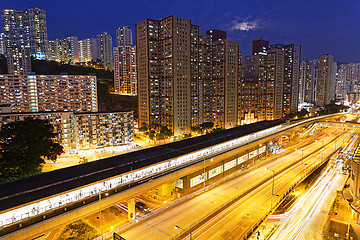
[167, 189]
[292, 135]
[131, 209]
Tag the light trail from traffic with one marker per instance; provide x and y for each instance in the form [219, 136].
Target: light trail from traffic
[241, 210]
[240, 221]
[304, 219]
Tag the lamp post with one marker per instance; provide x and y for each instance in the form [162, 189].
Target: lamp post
[302, 156]
[101, 230]
[157, 229]
[177, 227]
[204, 175]
[273, 183]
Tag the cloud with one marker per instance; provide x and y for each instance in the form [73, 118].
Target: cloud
[245, 25]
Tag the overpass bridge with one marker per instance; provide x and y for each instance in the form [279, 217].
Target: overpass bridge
[346, 125]
[30, 206]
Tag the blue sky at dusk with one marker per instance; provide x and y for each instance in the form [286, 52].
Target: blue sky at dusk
[319, 26]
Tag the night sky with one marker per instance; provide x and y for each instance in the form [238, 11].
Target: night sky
[319, 26]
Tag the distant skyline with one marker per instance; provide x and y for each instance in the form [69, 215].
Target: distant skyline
[320, 27]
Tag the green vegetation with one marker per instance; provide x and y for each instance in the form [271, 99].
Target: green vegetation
[332, 108]
[52, 67]
[23, 147]
[328, 109]
[206, 127]
[301, 114]
[156, 131]
[284, 204]
[78, 230]
[113, 102]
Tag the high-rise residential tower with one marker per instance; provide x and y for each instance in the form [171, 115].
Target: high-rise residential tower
[340, 83]
[67, 50]
[26, 28]
[105, 53]
[325, 80]
[291, 76]
[252, 71]
[164, 72]
[260, 46]
[348, 77]
[261, 85]
[124, 36]
[274, 84]
[2, 44]
[18, 60]
[185, 78]
[88, 50]
[307, 82]
[125, 72]
[51, 50]
[224, 79]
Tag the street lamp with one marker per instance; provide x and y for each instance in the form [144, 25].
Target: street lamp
[101, 230]
[177, 227]
[322, 153]
[204, 174]
[157, 229]
[272, 192]
[302, 156]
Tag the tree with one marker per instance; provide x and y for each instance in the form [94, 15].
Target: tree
[303, 113]
[207, 126]
[79, 230]
[152, 134]
[165, 132]
[196, 129]
[24, 145]
[217, 128]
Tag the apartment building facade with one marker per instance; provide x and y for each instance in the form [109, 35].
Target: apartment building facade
[26, 28]
[34, 93]
[325, 80]
[185, 78]
[67, 50]
[83, 131]
[124, 36]
[307, 82]
[292, 56]
[105, 53]
[125, 72]
[88, 50]
[261, 84]
[18, 60]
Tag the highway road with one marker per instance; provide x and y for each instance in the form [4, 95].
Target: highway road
[232, 222]
[252, 208]
[305, 219]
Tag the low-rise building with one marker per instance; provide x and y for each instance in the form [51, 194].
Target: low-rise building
[37, 93]
[83, 131]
